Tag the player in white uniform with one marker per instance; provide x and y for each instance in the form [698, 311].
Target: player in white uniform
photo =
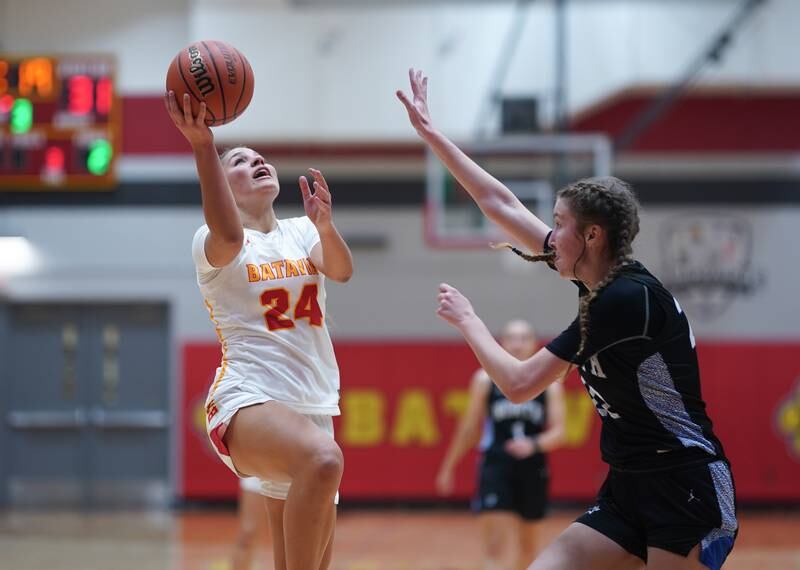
[269, 409]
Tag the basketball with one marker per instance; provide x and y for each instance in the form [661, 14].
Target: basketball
[215, 73]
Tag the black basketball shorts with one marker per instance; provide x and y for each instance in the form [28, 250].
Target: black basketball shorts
[507, 484]
[673, 510]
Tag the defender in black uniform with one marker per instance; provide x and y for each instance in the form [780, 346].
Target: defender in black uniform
[669, 485]
[668, 499]
[511, 495]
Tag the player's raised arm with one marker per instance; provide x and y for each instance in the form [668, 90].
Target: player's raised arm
[495, 200]
[219, 207]
[518, 380]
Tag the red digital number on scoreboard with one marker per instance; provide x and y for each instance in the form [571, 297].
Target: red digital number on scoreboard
[59, 123]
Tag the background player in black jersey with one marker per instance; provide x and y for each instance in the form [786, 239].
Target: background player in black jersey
[511, 496]
[668, 500]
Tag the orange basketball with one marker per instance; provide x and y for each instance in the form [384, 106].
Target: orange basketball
[215, 73]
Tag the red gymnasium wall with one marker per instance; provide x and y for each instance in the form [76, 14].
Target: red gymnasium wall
[704, 120]
[400, 401]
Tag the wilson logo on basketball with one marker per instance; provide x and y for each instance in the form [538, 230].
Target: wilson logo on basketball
[199, 71]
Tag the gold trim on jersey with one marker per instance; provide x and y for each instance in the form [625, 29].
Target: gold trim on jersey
[223, 344]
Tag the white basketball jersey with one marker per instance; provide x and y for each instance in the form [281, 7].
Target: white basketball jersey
[268, 307]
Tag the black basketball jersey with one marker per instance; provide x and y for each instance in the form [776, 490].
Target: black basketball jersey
[506, 420]
[640, 368]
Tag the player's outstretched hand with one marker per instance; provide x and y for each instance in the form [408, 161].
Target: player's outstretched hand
[317, 204]
[193, 127]
[454, 307]
[417, 106]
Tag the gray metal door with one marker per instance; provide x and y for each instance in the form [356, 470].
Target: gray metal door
[45, 382]
[87, 413]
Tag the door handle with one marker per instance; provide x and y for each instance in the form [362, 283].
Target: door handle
[129, 419]
[111, 376]
[69, 341]
[47, 419]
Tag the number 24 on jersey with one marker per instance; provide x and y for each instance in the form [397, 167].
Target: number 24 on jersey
[278, 301]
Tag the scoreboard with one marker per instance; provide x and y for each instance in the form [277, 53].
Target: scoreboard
[59, 122]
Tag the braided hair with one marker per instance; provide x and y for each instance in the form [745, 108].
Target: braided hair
[546, 256]
[611, 204]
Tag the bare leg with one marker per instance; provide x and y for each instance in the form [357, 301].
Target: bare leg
[500, 544]
[582, 547]
[275, 443]
[301, 511]
[252, 520]
[275, 508]
[528, 537]
[328, 555]
[275, 511]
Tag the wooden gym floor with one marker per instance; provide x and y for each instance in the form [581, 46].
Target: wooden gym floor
[366, 540]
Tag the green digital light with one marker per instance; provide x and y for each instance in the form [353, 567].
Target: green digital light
[21, 119]
[99, 159]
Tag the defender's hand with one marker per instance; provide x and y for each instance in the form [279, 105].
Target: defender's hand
[417, 108]
[454, 307]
